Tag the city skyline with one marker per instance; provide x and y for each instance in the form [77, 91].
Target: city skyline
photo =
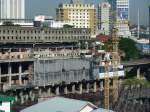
[34, 7]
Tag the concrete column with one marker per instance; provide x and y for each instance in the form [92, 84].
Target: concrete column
[94, 87]
[33, 97]
[138, 72]
[21, 97]
[73, 89]
[101, 86]
[40, 92]
[30, 93]
[26, 97]
[0, 74]
[20, 71]
[57, 91]
[9, 72]
[65, 90]
[49, 92]
[80, 89]
[16, 98]
[87, 88]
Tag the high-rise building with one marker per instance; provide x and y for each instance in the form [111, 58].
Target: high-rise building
[123, 17]
[104, 17]
[12, 9]
[80, 15]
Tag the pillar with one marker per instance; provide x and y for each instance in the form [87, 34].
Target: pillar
[30, 93]
[80, 89]
[87, 87]
[9, 72]
[16, 98]
[49, 92]
[21, 97]
[40, 92]
[65, 90]
[57, 91]
[26, 97]
[94, 87]
[20, 71]
[73, 88]
[33, 97]
[138, 73]
[0, 75]
[101, 86]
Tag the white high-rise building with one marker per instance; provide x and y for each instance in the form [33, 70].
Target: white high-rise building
[104, 18]
[12, 9]
[123, 18]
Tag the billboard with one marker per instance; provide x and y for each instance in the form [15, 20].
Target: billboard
[123, 13]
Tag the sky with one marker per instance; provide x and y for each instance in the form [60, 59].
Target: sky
[48, 7]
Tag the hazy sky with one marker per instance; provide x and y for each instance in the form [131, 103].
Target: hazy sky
[47, 7]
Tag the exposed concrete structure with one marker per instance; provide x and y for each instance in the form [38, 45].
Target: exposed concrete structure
[14, 34]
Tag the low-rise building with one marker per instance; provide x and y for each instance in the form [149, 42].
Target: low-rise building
[48, 21]
[17, 34]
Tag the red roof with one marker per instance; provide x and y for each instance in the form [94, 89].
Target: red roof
[102, 38]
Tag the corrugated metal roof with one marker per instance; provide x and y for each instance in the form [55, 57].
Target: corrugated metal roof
[102, 110]
[59, 104]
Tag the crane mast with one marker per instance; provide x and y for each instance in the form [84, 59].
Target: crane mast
[115, 63]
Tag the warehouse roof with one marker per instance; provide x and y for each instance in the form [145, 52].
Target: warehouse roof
[102, 110]
[59, 104]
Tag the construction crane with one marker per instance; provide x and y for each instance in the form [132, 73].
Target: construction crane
[115, 63]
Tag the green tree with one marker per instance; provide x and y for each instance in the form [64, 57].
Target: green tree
[129, 47]
[67, 26]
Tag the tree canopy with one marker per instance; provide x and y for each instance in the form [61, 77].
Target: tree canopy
[129, 47]
[8, 23]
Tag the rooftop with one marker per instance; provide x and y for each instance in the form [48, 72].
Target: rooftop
[59, 104]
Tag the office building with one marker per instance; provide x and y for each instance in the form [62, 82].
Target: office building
[12, 9]
[123, 18]
[104, 18]
[80, 15]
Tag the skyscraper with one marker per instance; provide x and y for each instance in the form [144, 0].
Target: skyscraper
[104, 17]
[123, 17]
[12, 9]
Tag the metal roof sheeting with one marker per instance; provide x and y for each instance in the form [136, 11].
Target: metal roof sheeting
[102, 110]
[59, 104]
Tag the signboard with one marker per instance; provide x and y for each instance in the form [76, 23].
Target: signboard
[123, 13]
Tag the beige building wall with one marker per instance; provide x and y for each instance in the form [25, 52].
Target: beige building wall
[80, 15]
